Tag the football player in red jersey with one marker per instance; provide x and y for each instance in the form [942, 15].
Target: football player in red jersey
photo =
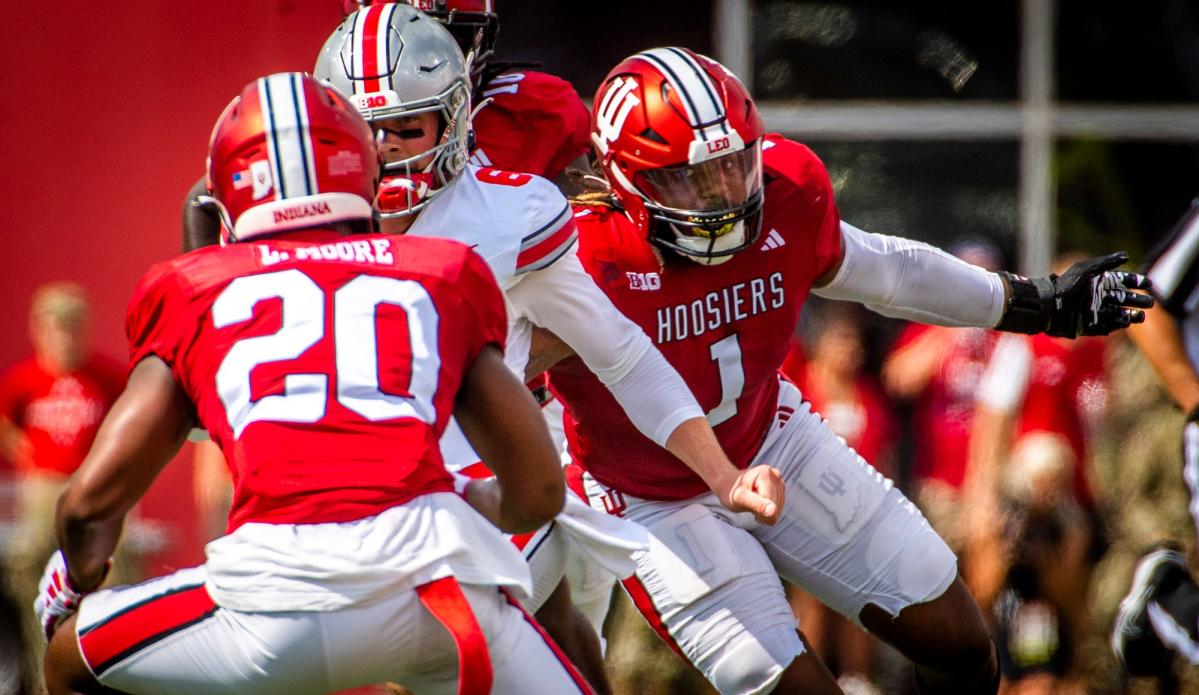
[712, 235]
[325, 363]
[408, 77]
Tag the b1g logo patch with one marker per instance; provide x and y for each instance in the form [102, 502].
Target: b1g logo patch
[645, 282]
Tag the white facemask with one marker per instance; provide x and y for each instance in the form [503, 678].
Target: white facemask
[729, 240]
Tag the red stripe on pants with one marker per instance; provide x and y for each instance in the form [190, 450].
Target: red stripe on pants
[575, 675]
[143, 625]
[649, 611]
[447, 603]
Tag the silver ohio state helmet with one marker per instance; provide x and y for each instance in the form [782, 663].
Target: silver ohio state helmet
[392, 60]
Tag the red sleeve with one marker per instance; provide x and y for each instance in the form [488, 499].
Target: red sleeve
[112, 375]
[481, 295]
[536, 124]
[155, 316]
[798, 165]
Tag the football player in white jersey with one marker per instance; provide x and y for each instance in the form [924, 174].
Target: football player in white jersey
[409, 79]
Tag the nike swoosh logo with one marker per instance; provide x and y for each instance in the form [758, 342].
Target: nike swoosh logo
[431, 68]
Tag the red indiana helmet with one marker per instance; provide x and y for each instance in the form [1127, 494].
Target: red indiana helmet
[290, 152]
[680, 141]
[473, 23]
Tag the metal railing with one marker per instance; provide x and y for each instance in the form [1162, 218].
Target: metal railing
[1035, 120]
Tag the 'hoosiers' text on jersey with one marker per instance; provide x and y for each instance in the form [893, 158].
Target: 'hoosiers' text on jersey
[726, 328]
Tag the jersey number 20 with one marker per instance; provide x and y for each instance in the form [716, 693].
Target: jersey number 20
[355, 346]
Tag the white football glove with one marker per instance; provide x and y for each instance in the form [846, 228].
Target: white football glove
[57, 600]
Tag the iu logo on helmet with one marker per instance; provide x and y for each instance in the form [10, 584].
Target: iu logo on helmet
[614, 109]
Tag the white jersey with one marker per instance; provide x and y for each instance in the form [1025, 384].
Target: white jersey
[524, 228]
[516, 222]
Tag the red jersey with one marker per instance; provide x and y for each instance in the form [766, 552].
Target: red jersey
[535, 124]
[1066, 395]
[59, 413]
[325, 367]
[725, 328]
[943, 413]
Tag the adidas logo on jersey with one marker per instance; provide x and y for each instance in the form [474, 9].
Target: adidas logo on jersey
[774, 240]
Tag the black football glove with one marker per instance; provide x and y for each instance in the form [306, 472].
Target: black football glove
[1091, 298]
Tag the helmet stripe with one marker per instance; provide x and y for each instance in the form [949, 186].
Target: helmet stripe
[385, 46]
[288, 134]
[355, 42]
[704, 80]
[272, 143]
[304, 132]
[372, 50]
[695, 87]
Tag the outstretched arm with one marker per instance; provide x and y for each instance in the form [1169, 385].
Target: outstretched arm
[144, 429]
[911, 280]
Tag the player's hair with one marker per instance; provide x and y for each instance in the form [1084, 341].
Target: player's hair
[590, 186]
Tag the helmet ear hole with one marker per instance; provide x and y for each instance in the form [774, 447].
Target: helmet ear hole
[651, 134]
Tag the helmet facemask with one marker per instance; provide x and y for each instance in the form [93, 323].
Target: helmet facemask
[706, 211]
[412, 183]
[393, 61]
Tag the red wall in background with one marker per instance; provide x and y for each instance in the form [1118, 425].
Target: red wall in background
[105, 114]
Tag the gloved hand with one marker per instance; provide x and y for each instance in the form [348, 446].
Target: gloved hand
[1090, 298]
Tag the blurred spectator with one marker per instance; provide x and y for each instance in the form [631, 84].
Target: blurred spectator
[833, 379]
[1031, 509]
[853, 404]
[937, 370]
[1139, 488]
[1044, 542]
[51, 406]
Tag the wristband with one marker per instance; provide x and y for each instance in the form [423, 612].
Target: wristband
[1028, 304]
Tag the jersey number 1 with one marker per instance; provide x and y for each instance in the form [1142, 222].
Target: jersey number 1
[305, 396]
[726, 353]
